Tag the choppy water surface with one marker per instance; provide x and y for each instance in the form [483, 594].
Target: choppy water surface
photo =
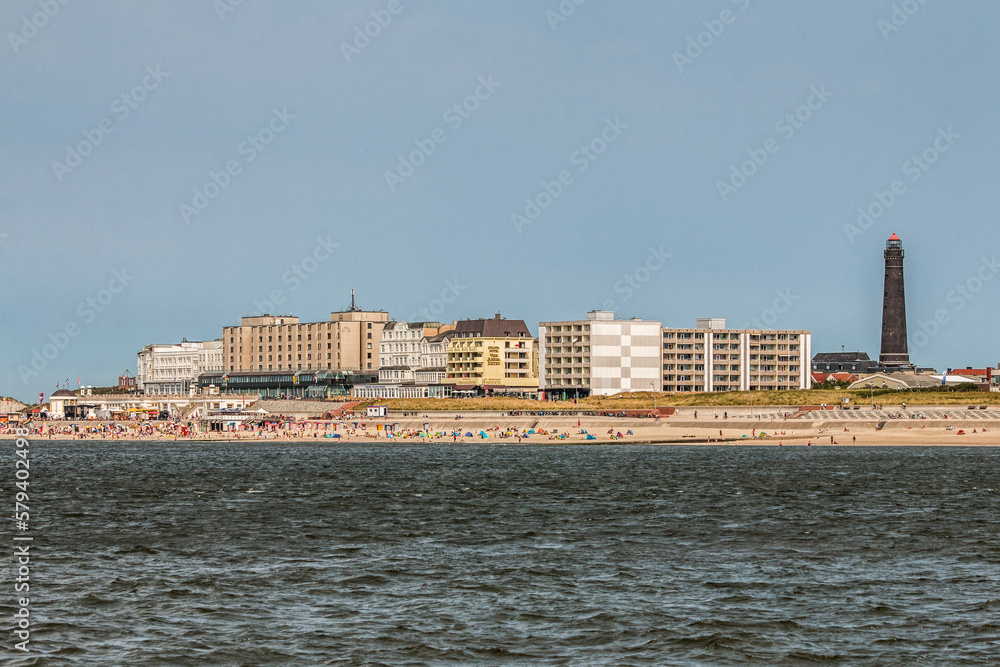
[258, 554]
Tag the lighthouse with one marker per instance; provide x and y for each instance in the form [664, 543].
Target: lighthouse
[894, 354]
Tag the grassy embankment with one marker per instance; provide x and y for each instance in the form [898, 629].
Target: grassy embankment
[640, 400]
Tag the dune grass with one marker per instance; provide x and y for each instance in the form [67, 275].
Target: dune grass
[641, 400]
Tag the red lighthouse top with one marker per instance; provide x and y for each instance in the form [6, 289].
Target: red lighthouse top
[894, 237]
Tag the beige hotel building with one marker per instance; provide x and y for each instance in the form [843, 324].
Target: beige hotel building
[711, 357]
[348, 342]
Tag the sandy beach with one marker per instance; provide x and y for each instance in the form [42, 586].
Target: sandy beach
[555, 429]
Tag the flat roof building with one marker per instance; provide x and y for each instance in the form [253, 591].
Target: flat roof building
[712, 358]
[348, 342]
[598, 356]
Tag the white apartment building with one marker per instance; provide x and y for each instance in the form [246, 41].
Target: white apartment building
[598, 356]
[710, 357]
[413, 352]
[174, 369]
[433, 359]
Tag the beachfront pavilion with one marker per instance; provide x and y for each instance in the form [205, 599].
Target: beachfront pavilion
[285, 384]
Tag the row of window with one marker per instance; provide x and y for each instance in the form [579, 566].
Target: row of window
[309, 367]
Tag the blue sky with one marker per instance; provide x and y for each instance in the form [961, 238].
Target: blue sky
[217, 158]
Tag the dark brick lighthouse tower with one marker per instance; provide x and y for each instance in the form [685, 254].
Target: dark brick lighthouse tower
[894, 353]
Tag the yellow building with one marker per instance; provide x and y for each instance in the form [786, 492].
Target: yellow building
[497, 355]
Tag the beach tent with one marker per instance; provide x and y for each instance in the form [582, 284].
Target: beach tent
[468, 434]
[591, 437]
[482, 434]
